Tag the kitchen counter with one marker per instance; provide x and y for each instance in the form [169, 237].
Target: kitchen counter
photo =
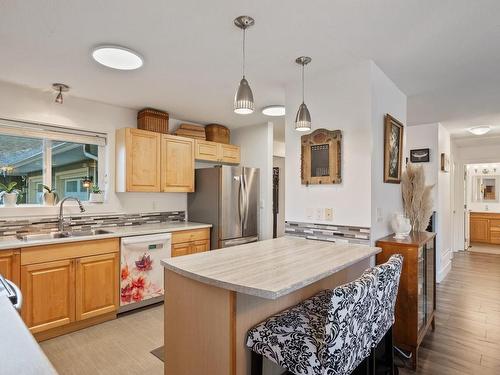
[271, 268]
[212, 299]
[20, 354]
[125, 231]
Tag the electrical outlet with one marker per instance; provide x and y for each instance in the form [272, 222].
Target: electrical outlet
[329, 214]
[309, 213]
[319, 214]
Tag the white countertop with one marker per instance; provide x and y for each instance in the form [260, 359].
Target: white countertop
[125, 231]
[272, 268]
[20, 354]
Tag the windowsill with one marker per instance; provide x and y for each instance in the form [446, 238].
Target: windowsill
[71, 208]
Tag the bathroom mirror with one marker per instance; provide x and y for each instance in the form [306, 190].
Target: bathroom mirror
[485, 189]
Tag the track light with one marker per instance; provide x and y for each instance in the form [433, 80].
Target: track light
[60, 88]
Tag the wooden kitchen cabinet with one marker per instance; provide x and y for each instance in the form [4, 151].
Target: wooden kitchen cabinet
[96, 284]
[138, 161]
[190, 241]
[485, 227]
[177, 164]
[69, 286]
[217, 152]
[48, 294]
[10, 265]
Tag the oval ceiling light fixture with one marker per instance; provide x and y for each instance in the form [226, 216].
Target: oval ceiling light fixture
[274, 110]
[479, 130]
[303, 118]
[117, 57]
[243, 100]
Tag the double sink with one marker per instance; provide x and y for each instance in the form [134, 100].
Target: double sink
[65, 234]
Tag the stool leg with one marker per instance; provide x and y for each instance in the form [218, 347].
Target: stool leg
[371, 362]
[389, 350]
[256, 363]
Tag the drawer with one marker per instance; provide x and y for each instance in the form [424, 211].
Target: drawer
[191, 235]
[494, 223]
[495, 236]
[49, 253]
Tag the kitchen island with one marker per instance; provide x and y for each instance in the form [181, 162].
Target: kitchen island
[213, 298]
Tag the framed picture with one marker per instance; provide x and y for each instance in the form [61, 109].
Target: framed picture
[393, 149]
[445, 163]
[421, 155]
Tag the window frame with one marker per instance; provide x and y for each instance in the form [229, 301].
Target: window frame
[52, 133]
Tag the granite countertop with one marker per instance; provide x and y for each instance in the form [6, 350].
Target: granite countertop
[271, 268]
[125, 231]
[20, 354]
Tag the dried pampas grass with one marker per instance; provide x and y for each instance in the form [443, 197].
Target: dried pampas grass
[417, 199]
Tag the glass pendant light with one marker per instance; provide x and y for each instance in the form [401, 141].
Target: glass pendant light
[243, 100]
[60, 87]
[303, 118]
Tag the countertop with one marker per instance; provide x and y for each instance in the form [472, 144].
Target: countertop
[20, 354]
[125, 231]
[271, 268]
[413, 239]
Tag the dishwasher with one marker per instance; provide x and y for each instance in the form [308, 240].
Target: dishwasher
[141, 274]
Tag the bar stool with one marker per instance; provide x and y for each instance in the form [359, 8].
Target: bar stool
[329, 333]
[388, 275]
[334, 331]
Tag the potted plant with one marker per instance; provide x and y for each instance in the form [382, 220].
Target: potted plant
[96, 194]
[9, 194]
[50, 197]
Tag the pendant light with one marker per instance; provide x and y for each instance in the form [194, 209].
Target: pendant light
[303, 118]
[60, 87]
[243, 100]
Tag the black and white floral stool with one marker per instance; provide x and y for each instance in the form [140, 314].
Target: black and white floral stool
[330, 333]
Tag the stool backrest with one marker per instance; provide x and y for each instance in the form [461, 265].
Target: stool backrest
[388, 275]
[348, 325]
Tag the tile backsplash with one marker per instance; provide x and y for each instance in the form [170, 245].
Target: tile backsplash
[49, 224]
[327, 232]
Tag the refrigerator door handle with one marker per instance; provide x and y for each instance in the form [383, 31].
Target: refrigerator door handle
[241, 202]
[245, 191]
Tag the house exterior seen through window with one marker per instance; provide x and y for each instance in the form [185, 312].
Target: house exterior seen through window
[62, 165]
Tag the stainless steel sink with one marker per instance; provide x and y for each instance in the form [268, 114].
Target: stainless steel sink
[55, 235]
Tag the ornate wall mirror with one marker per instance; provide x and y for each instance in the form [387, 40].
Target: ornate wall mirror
[321, 157]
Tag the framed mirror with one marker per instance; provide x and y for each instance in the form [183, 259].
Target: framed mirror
[321, 157]
[485, 188]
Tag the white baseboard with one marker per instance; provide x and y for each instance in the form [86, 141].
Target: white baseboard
[443, 272]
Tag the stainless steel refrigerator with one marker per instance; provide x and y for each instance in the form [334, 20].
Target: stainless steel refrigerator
[228, 198]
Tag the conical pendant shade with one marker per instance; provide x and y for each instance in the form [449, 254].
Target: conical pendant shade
[303, 119]
[243, 100]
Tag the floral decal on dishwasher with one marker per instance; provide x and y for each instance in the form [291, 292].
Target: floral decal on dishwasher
[138, 278]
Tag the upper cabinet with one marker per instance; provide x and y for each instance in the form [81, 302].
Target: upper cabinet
[153, 162]
[218, 152]
[137, 160]
[177, 164]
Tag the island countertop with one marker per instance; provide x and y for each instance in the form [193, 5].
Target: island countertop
[271, 268]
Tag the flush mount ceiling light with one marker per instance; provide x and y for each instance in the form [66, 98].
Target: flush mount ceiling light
[117, 57]
[479, 130]
[303, 118]
[243, 100]
[274, 110]
[60, 88]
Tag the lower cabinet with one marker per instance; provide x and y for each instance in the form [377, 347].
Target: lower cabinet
[96, 284]
[9, 265]
[190, 241]
[66, 285]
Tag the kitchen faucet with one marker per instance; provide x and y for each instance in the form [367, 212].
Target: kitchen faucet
[61, 212]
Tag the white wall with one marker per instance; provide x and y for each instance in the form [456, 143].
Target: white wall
[21, 103]
[336, 100]
[256, 142]
[386, 198]
[436, 138]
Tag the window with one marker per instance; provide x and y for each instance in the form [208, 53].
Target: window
[33, 155]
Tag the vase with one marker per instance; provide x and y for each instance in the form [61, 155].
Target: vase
[9, 199]
[400, 225]
[49, 199]
[96, 197]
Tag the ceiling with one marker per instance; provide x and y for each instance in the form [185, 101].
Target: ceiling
[443, 54]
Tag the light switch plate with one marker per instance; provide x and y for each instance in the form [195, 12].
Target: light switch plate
[329, 214]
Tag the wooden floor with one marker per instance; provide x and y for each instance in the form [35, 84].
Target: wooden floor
[118, 347]
[466, 340]
[467, 336]
[485, 248]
